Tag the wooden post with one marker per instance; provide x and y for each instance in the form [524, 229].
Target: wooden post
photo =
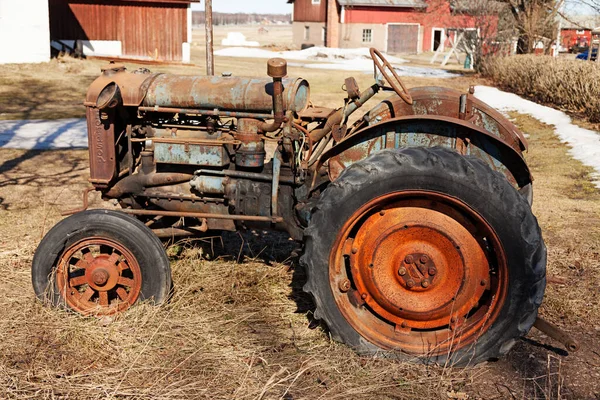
[454, 47]
[210, 62]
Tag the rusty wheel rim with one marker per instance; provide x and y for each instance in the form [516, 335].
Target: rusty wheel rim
[420, 272]
[98, 276]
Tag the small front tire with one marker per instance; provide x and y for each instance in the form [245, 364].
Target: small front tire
[100, 262]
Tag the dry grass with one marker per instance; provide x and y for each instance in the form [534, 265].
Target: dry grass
[572, 85]
[238, 326]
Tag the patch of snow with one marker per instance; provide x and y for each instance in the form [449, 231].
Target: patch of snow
[424, 72]
[312, 53]
[335, 59]
[238, 39]
[584, 143]
[44, 134]
[367, 67]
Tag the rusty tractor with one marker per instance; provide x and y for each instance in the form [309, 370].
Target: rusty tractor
[416, 223]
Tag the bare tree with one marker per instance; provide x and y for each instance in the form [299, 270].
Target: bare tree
[535, 21]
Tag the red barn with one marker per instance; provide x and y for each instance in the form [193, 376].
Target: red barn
[395, 26]
[135, 29]
[576, 31]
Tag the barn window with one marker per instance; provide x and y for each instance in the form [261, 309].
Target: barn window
[306, 33]
[316, 1]
[367, 36]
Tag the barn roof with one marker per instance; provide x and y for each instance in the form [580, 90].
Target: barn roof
[385, 3]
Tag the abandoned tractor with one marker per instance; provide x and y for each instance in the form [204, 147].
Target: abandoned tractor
[418, 235]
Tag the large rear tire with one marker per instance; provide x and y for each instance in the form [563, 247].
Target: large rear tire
[100, 262]
[424, 253]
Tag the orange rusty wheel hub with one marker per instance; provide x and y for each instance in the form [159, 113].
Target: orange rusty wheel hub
[98, 276]
[421, 271]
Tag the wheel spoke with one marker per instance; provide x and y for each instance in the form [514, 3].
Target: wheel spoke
[126, 282]
[122, 266]
[114, 257]
[78, 281]
[87, 295]
[80, 264]
[87, 255]
[103, 298]
[122, 293]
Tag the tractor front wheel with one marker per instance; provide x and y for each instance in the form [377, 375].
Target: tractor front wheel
[100, 262]
[427, 253]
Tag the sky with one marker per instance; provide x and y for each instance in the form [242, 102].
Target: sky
[248, 6]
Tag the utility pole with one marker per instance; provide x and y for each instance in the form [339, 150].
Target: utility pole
[210, 62]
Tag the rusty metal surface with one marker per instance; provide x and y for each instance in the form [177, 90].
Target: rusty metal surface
[277, 69]
[251, 151]
[190, 153]
[383, 65]
[132, 86]
[209, 184]
[446, 102]
[557, 334]
[137, 183]
[428, 131]
[165, 233]
[203, 215]
[351, 87]
[101, 141]
[419, 261]
[312, 113]
[98, 276]
[230, 93]
[245, 175]
[341, 114]
[195, 111]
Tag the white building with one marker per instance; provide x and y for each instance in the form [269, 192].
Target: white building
[24, 31]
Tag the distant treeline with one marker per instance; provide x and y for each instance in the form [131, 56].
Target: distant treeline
[241, 19]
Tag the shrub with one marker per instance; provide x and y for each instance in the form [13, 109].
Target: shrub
[572, 85]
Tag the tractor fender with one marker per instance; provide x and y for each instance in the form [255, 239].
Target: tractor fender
[428, 131]
[446, 102]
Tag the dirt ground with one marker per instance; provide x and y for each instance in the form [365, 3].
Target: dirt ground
[239, 326]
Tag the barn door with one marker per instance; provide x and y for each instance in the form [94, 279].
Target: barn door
[403, 38]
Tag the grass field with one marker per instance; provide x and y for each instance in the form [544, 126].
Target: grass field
[238, 326]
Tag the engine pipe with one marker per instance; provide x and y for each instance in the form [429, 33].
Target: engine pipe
[343, 113]
[276, 69]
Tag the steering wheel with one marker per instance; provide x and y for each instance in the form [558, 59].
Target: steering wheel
[378, 59]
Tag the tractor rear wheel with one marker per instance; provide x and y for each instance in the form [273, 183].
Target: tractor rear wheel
[100, 262]
[427, 253]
